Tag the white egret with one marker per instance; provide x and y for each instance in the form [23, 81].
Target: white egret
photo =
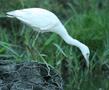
[43, 20]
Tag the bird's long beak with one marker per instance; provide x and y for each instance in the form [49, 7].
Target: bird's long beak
[87, 61]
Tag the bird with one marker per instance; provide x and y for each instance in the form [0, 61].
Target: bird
[43, 20]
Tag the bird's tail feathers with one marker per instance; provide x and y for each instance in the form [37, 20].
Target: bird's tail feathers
[11, 14]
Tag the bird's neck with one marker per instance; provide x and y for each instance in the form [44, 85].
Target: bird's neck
[67, 38]
[71, 41]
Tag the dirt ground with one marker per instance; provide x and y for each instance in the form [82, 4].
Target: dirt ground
[28, 76]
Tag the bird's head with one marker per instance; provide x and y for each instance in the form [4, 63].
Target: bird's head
[86, 53]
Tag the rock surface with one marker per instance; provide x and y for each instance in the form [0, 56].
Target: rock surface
[28, 76]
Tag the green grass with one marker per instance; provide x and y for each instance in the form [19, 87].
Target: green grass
[20, 43]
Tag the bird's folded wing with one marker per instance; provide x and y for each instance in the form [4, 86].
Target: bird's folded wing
[35, 19]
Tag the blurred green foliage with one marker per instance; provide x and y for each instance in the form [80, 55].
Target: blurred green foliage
[85, 20]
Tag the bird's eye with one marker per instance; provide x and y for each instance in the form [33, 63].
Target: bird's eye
[87, 54]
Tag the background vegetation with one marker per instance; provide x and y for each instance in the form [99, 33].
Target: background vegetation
[85, 20]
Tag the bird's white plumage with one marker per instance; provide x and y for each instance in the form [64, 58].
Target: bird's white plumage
[36, 17]
[45, 21]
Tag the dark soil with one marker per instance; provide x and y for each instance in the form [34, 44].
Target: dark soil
[28, 76]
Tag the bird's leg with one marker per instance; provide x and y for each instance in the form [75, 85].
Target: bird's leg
[36, 38]
[48, 68]
[23, 29]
